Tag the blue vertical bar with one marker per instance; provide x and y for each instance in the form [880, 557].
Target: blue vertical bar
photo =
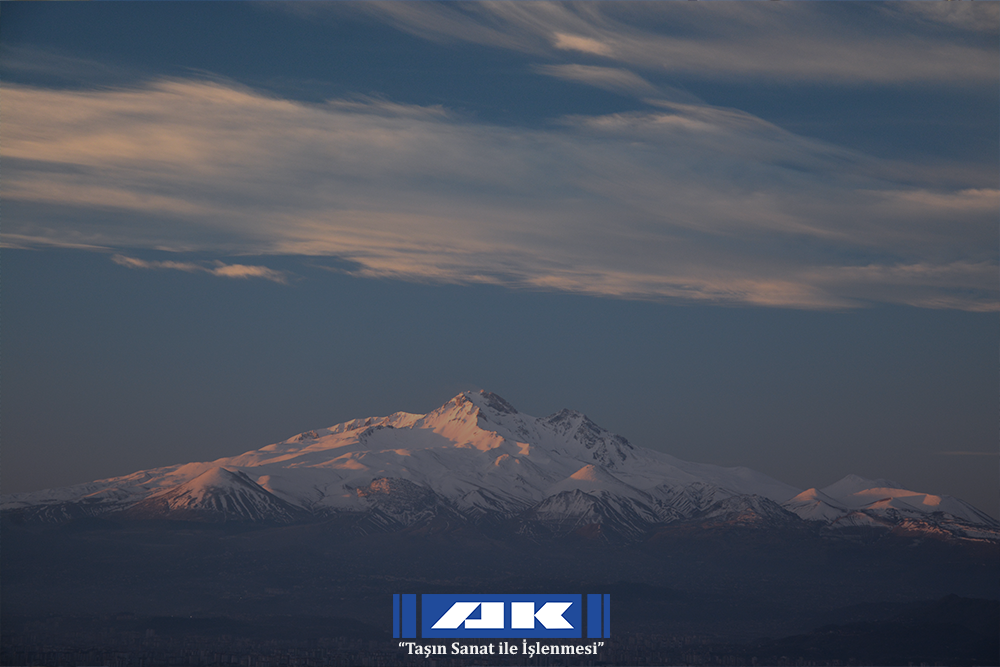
[607, 615]
[593, 616]
[409, 616]
[395, 616]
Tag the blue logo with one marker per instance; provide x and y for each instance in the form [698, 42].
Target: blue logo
[470, 616]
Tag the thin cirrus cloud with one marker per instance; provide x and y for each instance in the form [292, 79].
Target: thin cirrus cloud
[216, 268]
[773, 41]
[684, 202]
[577, 43]
[620, 81]
[615, 79]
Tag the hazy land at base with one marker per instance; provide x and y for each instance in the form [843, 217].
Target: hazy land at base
[909, 637]
[205, 590]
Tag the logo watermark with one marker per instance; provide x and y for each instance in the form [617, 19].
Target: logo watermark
[474, 616]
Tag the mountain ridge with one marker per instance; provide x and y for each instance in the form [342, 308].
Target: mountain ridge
[476, 457]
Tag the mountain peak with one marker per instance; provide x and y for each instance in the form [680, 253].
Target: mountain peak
[218, 494]
[488, 400]
[852, 484]
[480, 404]
[216, 479]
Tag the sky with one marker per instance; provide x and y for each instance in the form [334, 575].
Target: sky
[760, 234]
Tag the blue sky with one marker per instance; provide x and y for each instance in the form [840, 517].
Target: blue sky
[760, 234]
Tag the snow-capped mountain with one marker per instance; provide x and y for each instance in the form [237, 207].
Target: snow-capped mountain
[476, 459]
[880, 496]
[216, 493]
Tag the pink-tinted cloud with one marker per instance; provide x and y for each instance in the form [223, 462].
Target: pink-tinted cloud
[218, 268]
[788, 41]
[685, 202]
[585, 44]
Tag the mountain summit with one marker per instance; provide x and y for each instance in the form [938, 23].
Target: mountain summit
[476, 458]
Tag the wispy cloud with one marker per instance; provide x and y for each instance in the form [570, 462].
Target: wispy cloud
[687, 201]
[981, 17]
[784, 41]
[609, 78]
[585, 44]
[55, 66]
[216, 268]
[31, 242]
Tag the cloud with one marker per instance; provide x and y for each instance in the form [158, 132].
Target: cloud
[685, 202]
[26, 242]
[465, 22]
[584, 44]
[244, 271]
[976, 16]
[796, 42]
[216, 269]
[609, 78]
[54, 66]
[924, 284]
[133, 263]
